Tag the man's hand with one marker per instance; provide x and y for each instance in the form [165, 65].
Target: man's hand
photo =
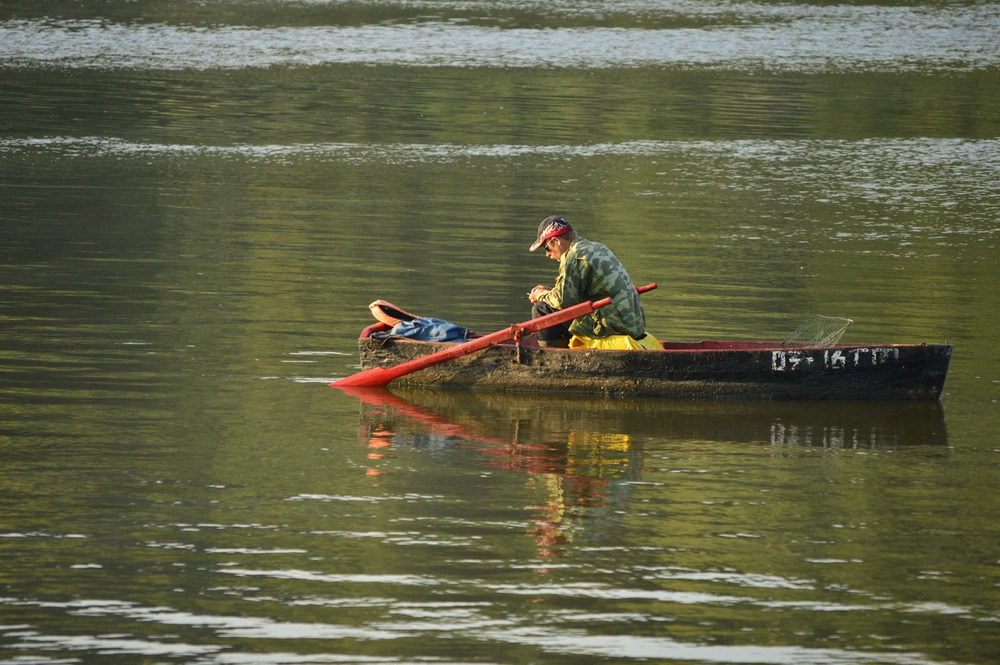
[537, 293]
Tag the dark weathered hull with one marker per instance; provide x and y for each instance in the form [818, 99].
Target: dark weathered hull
[744, 370]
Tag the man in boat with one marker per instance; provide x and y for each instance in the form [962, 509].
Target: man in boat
[587, 271]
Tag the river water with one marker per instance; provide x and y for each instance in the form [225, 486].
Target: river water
[199, 199]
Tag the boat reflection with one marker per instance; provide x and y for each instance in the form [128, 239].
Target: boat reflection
[584, 453]
[537, 421]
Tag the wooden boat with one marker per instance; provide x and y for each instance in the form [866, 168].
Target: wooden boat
[706, 369]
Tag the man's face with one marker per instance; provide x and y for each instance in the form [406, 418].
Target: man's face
[555, 248]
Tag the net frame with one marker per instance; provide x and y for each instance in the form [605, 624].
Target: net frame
[818, 331]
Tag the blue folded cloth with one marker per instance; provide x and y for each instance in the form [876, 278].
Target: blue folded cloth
[427, 329]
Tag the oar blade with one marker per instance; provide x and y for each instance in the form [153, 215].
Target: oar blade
[375, 377]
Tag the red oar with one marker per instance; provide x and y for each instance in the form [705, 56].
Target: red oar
[381, 376]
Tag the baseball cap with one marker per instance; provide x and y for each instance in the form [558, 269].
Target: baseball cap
[550, 228]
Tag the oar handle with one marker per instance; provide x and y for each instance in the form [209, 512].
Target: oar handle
[570, 313]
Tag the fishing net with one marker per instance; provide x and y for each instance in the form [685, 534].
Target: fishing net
[818, 331]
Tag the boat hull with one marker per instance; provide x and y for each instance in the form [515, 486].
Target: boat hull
[741, 370]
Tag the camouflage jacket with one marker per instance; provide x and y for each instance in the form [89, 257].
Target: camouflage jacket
[590, 271]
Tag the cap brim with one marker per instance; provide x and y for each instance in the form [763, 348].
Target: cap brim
[553, 233]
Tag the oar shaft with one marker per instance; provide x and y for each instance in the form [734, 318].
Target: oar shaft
[382, 376]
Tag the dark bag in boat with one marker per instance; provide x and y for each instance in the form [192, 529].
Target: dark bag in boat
[427, 329]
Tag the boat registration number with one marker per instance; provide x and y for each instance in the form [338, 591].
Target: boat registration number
[792, 360]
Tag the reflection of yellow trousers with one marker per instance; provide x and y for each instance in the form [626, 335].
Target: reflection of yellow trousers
[621, 342]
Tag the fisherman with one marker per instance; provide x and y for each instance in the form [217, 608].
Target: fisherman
[587, 271]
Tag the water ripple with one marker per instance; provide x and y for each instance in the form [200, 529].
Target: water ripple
[580, 643]
[305, 575]
[923, 152]
[951, 174]
[956, 38]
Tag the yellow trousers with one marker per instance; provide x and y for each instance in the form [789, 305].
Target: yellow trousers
[621, 342]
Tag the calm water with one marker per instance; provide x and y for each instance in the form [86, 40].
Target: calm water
[199, 199]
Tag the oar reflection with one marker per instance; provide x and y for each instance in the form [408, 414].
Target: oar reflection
[577, 469]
